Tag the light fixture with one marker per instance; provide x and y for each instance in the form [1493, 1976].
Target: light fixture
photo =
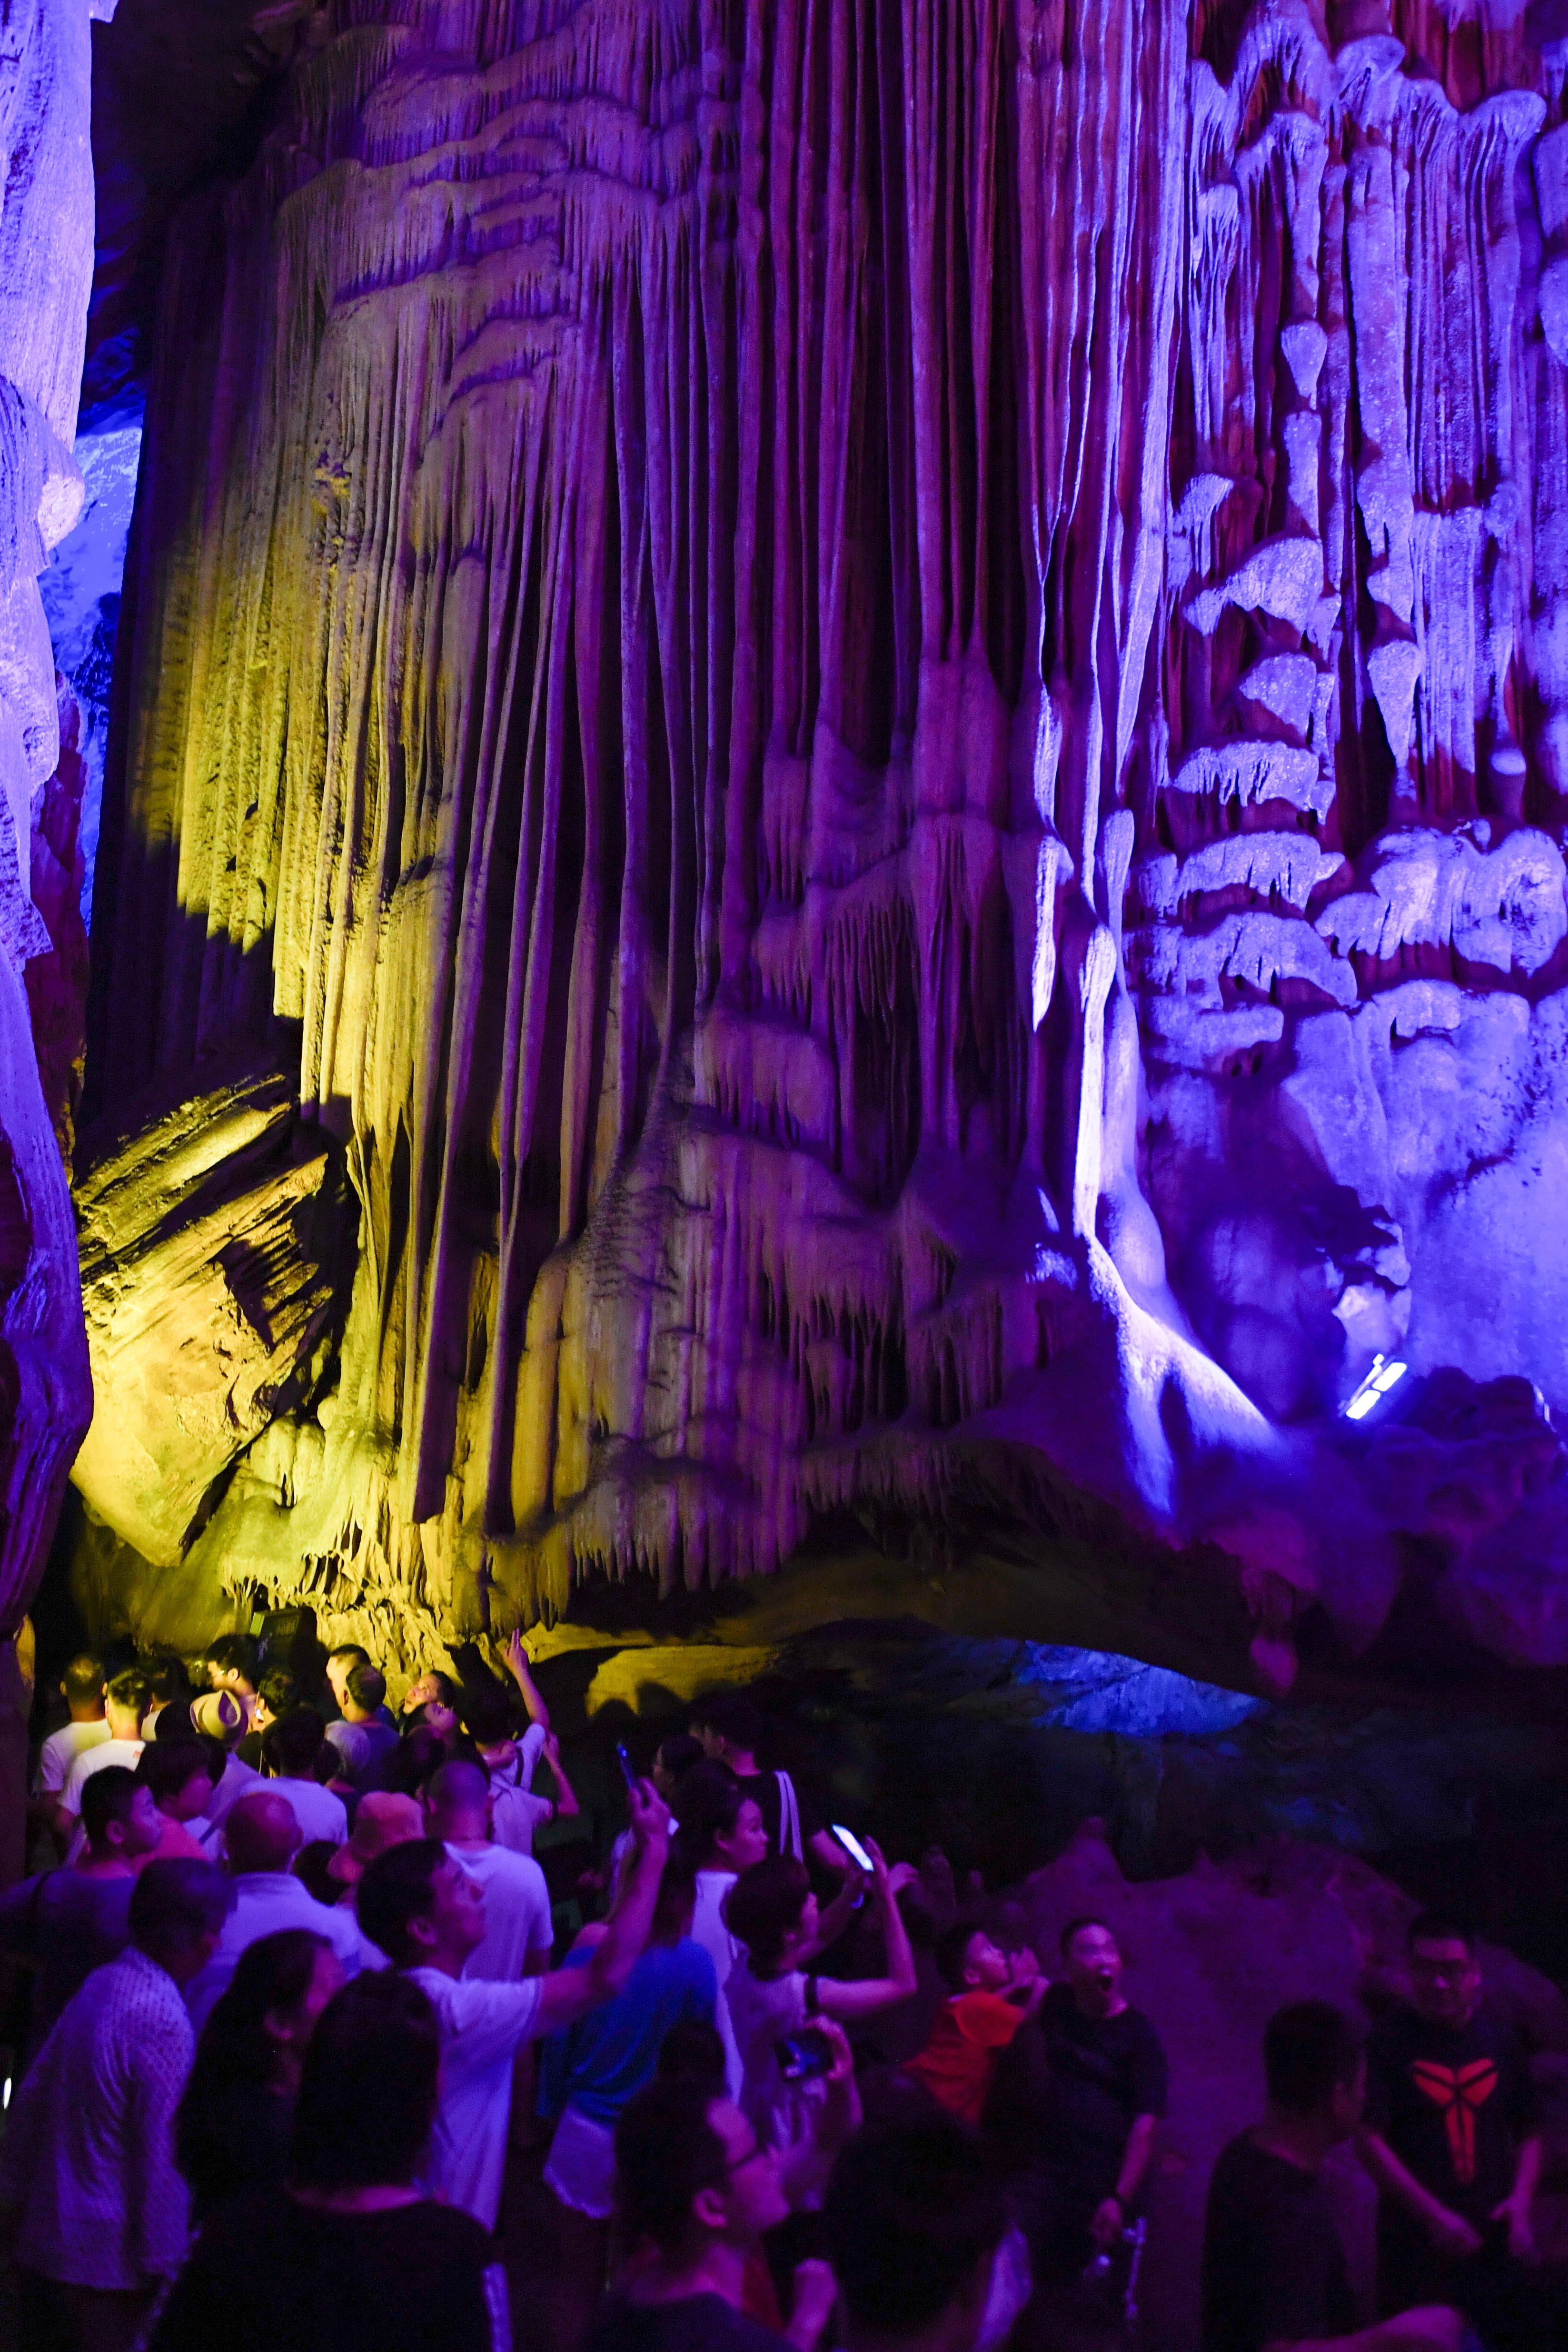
[1387, 1373]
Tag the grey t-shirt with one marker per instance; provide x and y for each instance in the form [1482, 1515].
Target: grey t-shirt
[365, 1748]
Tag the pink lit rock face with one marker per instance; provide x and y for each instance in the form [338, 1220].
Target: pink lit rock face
[870, 705]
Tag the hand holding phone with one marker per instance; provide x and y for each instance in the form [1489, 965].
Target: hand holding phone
[806, 2056]
[624, 1758]
[855, 1850]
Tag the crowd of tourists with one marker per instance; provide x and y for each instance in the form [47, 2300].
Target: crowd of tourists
[294, 2028]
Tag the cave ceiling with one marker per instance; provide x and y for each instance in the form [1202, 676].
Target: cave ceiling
[837, 795]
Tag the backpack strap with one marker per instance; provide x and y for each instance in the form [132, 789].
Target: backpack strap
[789, 1818]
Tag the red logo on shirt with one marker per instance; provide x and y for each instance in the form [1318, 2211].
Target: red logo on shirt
[1460, 2090]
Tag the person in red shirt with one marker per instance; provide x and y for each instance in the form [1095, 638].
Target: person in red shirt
[179, 1773]
[992, 1992]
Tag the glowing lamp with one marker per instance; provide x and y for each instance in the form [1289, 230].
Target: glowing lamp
[1387, 1373]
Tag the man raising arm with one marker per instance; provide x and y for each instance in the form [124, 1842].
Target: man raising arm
[427, 1914]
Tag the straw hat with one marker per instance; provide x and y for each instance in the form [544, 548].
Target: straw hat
[217, 1715]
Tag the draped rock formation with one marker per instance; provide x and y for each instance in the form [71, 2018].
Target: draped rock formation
[845, 725]
[46, 268]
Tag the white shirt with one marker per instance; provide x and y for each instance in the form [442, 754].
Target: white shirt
[726, 1952]
[97, 1758]
[236, 1779]
[762, 2010]
[515, 1811]
[319, 1813]
[60, 1752]
[483, 2028]
[518, 1925]
[89, 2153]
[515, 1814]
[264, 1902]
[530, 1749]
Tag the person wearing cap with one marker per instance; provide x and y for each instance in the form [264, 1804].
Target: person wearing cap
[232, 1779]
[263, 1837]
[233, 1663]
[383, 1820]
[216, 1715]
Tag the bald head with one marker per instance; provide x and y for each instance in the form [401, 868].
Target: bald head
[262, 1834]
[458, 1796]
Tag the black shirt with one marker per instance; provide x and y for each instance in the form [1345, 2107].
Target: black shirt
[1454, 2103]
[230, 2139]
[1274, 2268]
[1105, 2072]
[697, 2323]
[269, 2274]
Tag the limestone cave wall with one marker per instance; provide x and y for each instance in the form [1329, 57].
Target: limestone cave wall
[838, 786]
[45, 272]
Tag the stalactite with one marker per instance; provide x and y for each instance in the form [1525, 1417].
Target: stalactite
[854, 695]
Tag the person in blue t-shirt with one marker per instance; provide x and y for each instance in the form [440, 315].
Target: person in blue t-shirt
[595, 2069]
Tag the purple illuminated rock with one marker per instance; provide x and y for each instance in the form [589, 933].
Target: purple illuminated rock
[875, 699]
[46, 266]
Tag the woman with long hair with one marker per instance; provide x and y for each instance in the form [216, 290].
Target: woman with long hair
[351, 2255]
[238, 2113]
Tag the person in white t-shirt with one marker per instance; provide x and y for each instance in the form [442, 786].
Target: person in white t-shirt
[263, 1838]
[516, 1811]
[290, 1747]
[81, 1687]
[721, 1833]
[427, 1914]
[519, 1937]
[125, 1704]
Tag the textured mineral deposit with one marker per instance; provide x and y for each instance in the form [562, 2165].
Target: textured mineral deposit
[851, 717]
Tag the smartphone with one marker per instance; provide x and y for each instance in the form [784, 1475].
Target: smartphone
[852, 1848]
[803, 2056]
[628, 1770]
